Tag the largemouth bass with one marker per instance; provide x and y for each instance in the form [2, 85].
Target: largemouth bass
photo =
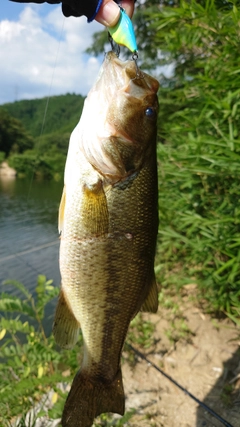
[108, 220]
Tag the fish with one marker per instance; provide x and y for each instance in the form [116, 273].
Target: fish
[108, 219]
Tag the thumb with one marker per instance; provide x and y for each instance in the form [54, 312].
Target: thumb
[109, 13]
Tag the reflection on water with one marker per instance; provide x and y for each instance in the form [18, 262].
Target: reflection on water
[29, 242]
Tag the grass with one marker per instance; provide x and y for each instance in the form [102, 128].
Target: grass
[199, 152]
[32, 367]
[108, 420]
[30, 363]
[141, 332]
[226, 395]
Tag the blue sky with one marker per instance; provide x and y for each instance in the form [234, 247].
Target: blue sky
[42, 52]
[11, 9]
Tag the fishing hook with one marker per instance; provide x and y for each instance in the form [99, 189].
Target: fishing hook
[139, 74]
[115, 47]
[119, 3]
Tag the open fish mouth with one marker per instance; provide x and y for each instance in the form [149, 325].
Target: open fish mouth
[119, 99]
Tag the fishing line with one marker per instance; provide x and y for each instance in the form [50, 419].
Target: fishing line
[47, 102]
[203, 405]
[19, 256]
[28, 251]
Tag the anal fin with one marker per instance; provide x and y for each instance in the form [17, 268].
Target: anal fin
[65, 326]
[90, 397]
[151, 302]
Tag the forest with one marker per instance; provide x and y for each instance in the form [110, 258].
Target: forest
[198, 144]
[36, 146]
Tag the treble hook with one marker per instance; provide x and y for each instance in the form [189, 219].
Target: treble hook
[139, 74]
[115, 47]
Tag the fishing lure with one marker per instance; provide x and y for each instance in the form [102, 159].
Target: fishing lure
[123, 32]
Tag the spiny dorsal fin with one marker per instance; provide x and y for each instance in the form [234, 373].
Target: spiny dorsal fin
[151, 302]
[61, 210]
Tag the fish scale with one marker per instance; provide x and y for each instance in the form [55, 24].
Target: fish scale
[108, 219]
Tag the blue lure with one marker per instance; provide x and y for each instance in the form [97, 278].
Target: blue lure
[123, 32]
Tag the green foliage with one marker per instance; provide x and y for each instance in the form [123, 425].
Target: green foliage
[45, 166]
[25, 164]
[48, 152]
[141, 332]
[53, 143]
[107, 420]
[199, 144]
[177, 330]
[2, 156]
[226, 395]
[31, 366]
[13, 136]
[62, 113]
[199, 159]
[30, 362]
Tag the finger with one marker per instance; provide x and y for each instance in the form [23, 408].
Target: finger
[128, 5]
[109, 13]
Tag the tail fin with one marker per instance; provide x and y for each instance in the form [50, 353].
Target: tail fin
[89, 398]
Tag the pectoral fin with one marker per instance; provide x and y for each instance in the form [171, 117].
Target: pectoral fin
[65, 327]
[151, 301]
[61, 210]
[95, 218]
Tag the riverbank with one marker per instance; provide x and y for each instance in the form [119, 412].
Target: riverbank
[198, 351]
[6, 171]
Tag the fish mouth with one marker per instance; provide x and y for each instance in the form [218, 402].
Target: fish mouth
[126, 76]
[111, 115]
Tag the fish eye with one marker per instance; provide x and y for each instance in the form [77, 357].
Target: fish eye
[150, 112]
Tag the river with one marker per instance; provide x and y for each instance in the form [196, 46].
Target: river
[29, 240]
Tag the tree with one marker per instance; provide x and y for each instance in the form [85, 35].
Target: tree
[13, 136]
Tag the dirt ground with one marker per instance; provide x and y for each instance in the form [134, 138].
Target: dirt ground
[205, 360]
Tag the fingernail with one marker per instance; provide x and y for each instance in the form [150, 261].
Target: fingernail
[109, 14]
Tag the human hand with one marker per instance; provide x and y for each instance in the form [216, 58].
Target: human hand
[109, 12]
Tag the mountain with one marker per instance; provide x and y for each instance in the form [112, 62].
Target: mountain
[34, 134]
[61, 113]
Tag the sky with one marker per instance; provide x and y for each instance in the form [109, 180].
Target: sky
[42, 52]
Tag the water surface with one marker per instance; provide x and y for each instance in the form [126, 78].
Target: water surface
[29, 240]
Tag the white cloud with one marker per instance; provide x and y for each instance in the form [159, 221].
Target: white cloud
[46, 55]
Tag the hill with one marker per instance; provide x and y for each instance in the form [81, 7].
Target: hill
[34, 134]
[63, 113]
